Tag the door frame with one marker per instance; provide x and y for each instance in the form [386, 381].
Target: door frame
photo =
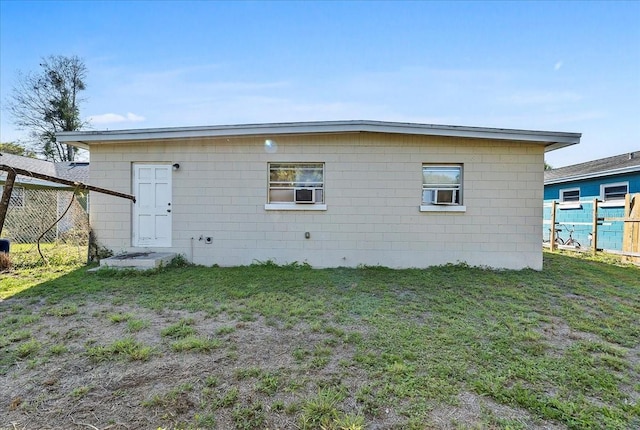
[163, 242]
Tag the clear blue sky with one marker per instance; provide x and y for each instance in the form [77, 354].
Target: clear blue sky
[559, 66]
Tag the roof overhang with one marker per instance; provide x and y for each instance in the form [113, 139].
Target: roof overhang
[84, 139]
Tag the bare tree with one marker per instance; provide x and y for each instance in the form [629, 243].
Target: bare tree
[47, 102]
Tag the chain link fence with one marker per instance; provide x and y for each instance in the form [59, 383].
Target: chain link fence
[58, 219]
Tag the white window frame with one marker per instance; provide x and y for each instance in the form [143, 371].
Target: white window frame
[610, 202]
[564, 191]
[293, 185]
[457, 189]
[16, 201]
[569, 204]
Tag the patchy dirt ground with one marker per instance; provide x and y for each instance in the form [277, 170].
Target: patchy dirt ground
[258, 374]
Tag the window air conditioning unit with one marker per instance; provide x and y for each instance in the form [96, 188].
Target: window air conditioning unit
[304, 195]
[444, 196]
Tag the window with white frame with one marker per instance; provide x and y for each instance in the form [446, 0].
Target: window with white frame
[570, 195]
[442, 184]
[296, 184]
[616, 191]
[17, 199]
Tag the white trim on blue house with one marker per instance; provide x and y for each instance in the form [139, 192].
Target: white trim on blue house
[630, 169]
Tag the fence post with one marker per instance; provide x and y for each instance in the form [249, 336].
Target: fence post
[552, 232]
[626, 229]
[6, 197]
[594, 233]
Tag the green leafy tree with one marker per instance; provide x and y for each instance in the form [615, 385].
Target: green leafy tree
[16, 149]
[48, 102]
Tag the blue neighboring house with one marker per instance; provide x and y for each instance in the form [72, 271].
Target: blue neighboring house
[575, 187]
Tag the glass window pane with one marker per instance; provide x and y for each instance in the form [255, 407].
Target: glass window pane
[427, 196]
[441, 175]
[309, 175]
[615, 192]
[282, 175]
[570, 196]
[277, 195]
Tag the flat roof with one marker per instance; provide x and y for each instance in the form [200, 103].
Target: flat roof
[550, 139]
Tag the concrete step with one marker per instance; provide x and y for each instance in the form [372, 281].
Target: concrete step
[138, 260]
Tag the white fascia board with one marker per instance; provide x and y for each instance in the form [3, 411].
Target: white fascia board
[630, 169]
[551, 140]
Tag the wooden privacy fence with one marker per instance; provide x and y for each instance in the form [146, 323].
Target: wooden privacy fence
[630, 231]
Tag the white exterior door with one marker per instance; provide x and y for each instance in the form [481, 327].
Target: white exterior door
[152, 213]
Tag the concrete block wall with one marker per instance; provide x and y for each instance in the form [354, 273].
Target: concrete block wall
[610, 234]
[581, 219]
[373, 187]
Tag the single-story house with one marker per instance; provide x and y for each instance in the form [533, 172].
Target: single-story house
[36, 204]
[575, 187]
[329, 194]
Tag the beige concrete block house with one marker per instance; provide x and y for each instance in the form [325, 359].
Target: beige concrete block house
[330, 194]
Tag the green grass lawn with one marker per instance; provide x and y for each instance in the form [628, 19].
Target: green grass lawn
[357, 348]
